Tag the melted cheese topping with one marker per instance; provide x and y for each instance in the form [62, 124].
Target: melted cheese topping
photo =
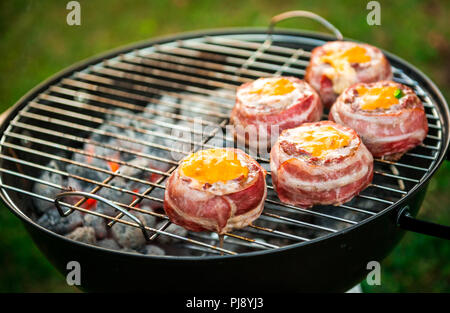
[344, 74]
[321, 140]
[377, 97]
[213, 165]
[275, 87]
[338, 58]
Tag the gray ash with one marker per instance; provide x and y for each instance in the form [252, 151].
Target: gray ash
[131, 237]
[48, 191]
[152, 250]
[98, 224]
[108, 243]
[84, 234]
[58, 224]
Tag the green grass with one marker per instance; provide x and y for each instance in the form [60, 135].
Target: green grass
[36, 42]
[23, 267]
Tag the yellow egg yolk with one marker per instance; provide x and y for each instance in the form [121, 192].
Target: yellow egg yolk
[213, 165]
[276, 87]
[320, 140]
[339, 58]
[377, 97]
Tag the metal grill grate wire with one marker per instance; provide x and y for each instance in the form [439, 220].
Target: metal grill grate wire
[204, 70]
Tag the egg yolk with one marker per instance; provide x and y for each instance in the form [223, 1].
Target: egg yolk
[339, 58]
[318, 141]
[276, 87]
[377, 97]
[213, 165]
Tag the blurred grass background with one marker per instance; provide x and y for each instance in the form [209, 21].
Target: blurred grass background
[36, 42]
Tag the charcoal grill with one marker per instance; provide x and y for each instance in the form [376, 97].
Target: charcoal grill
[324, 248]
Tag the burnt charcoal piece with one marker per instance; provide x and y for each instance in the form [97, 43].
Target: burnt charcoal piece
[161, 111]
[58, 224]
[150, 150]
[139, 173]
[203, 111]
[98, 224]
[136, 143]
[106, 210]
[114, 195]
[129, 236]
[130, 250]
[105, 138]
[152, 250]
[108, 243]
[211, 109]
[48, 191]
[95, 149]
[90, 174]
[83, 234]
[149, 220]
[138, 132]
[173, 229]
[151, 205]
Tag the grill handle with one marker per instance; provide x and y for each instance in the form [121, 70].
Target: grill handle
[299, 13]
[406, 221]
[98, 198]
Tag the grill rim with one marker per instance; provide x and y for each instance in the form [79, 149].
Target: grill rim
[442, 106]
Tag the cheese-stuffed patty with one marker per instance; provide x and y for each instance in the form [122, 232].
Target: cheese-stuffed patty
[337, 65]
[267, 106]
[216, 190]
[320, 163]
[388, 116]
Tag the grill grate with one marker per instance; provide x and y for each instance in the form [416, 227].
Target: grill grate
[186, 80]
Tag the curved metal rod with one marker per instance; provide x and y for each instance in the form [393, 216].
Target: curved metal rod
[299, 13]
[104, 200]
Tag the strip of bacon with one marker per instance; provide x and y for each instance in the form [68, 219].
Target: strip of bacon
[304, 177]
[218, 206]
[388, 126]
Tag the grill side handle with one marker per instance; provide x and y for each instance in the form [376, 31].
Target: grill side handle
[406, 221]
[300, 13]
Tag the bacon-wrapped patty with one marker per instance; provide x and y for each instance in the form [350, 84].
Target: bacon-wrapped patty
[388, 116]
[267, 106]
[337, 65]
[216, 190]
[320, 163]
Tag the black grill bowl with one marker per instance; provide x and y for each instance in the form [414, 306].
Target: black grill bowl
[332, 263]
